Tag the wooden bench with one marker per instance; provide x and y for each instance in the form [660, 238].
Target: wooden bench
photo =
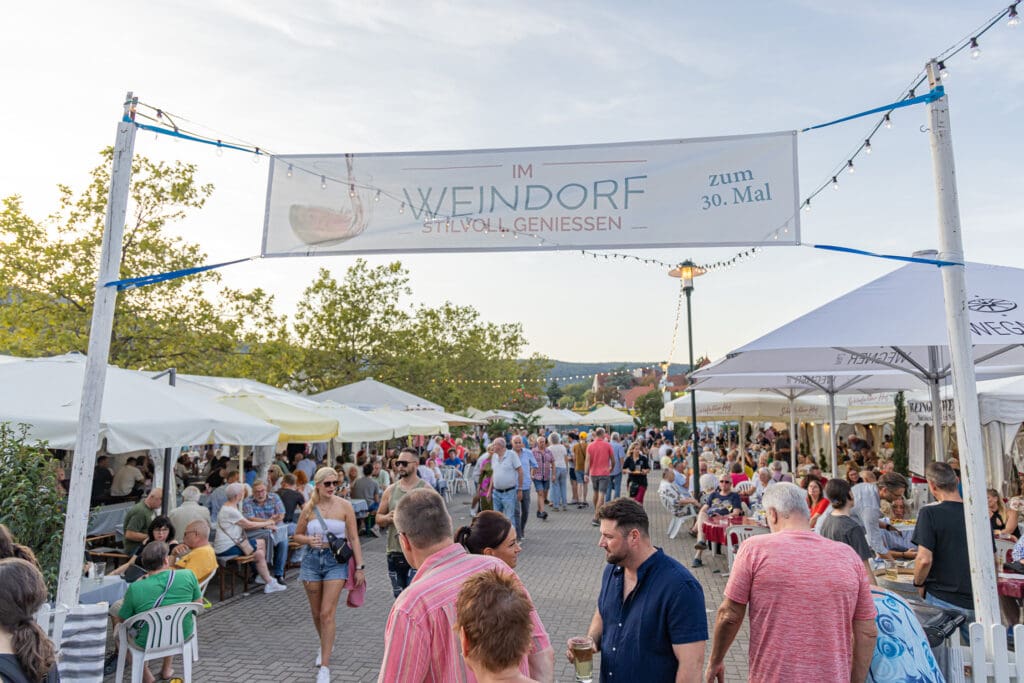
[238, 566]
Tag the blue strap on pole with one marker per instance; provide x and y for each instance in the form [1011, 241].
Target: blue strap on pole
[136, 282]
[934, 94]
[892, 257]
[160, 130]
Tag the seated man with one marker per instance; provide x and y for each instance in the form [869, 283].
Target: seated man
[264, 505]
[195, 551]
[161, 586]
[724, 501]
[367, 488]
[672, 497]
[127, 481]
[189, 511]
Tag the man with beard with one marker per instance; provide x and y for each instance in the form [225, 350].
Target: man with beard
[650, 614]
[399, 570]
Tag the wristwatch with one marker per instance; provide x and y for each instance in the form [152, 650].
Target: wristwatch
[361, 567]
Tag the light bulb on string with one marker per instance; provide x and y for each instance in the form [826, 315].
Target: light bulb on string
[256, 156]
[1013, 18]
[351, 190]
[943, 71]
[867, 146]
[849, 167]
[220, 150]
[888, 121]
[323, 183]
[975, 48]
[376, 197]
[835, 183]
[289, 174]
[401, 209]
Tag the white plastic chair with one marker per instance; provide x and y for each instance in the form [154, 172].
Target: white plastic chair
[735, 535]
[456, 480]
[165, 637]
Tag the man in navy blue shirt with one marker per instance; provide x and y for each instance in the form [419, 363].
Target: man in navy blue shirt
[650, 615]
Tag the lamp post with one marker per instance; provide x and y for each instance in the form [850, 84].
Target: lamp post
[686, 271]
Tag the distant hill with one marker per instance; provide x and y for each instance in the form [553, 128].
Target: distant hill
[564, 369]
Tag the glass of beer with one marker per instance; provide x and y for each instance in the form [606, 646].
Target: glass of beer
[583, 658]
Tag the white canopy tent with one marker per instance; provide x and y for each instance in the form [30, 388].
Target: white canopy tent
[606, 415]
[450, 419]
[792, 387]
[412, 422]
[553, 417]
[369, 394]
[359, 425]
[138, 412]
[241, 385]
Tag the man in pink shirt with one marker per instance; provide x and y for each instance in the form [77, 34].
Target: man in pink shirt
[771, 575]
[598, 468]
[419, 641]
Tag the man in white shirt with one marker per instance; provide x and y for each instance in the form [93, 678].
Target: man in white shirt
[189, 511]
[127, 480]
[506, 480]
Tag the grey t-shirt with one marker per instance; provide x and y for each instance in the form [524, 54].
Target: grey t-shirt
[849, 531]
[366, 488]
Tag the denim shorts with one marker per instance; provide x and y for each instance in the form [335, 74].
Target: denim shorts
[541, 484]
[320, 565]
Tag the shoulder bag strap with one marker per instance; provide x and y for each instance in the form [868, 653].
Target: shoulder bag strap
[170, 580]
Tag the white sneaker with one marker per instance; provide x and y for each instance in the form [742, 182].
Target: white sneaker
[274, 587]
[324, 676]
[259, 580]
[319, 657]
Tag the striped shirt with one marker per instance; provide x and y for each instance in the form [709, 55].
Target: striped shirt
[420, 643]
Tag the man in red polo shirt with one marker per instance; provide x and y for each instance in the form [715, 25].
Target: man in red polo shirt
[598, 468]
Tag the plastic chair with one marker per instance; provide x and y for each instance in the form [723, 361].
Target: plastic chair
[51, 620]
[739, 534]
[165, 637]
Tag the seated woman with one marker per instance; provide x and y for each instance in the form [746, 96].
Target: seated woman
[160, 529]
[26, 653]
[491, 533]
[231, 540]
[901, 651]
[737, 474]
[998, 516]
[852, 473]
[816, 499]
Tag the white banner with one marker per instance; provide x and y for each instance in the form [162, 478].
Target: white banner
[725, 191]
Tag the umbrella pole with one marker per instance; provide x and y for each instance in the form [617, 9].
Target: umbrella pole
[968, 418]
[938, 444]
[87, 441]
[832, 432]
[792, 432]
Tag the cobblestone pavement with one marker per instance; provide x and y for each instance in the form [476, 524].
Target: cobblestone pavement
[257, 638]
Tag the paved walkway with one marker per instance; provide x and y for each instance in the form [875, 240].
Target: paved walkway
[260, 638]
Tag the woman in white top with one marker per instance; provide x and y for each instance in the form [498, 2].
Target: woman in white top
[231, 528]
[559, 452]
[322, 575]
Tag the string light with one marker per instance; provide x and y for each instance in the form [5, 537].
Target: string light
[1014, 19]
[807, 206]
[835, 183]
[323, 183]
[289, 174]
[376, 197]
[943, 71]
[849, 167]
[867, 146]
[351, 190]
[220, 149]
[975, 48]
[888, 121]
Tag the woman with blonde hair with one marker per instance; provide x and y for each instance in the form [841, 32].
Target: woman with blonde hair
[26, 653]
[322, 575]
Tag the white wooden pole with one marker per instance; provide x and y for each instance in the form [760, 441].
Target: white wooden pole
[938, 444]
[87, 440]
[832, 430]
[968, 432]
[793, 446]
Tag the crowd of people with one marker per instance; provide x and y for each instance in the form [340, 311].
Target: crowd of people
[302, 508]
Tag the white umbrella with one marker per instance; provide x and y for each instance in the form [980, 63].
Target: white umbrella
[793, 386]
[451, 419]
[357, 425]
[606, 415]
[138, 413]
[241, 385]
[546, 415]
[369, 394]
[410, 422]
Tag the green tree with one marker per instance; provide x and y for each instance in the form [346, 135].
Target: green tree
[620, 378]
[554, 392]
[607, 394]
[525, 421]
[648, 408]
[900, 455]
[566, 402]
[48, 268]
[30, 501]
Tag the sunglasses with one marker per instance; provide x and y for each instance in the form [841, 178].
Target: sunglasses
[403, 463]
[331, 484]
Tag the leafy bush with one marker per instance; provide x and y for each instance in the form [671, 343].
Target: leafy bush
[30, 501]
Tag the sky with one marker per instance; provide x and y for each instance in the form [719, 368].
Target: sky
[333, 77]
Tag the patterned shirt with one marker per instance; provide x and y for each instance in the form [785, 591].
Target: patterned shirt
[545, 462]
[270, 507]
[419, 641]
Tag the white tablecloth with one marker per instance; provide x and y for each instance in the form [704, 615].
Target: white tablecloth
[107, 589]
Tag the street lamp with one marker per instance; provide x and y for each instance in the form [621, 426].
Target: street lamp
[686, 271]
